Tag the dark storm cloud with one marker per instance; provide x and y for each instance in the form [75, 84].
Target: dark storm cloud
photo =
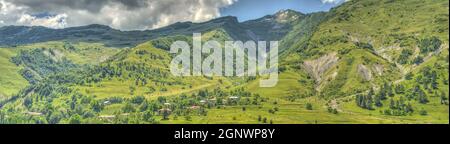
[90, 5]
[121, 14]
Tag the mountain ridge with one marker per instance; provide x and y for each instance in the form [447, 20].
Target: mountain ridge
[17, 35]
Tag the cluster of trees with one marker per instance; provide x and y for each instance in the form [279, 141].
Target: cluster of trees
[332, 110]
[85, 109]
[69, 46]
[139, 72]
[429, 45]
[396, 107]
[40, 63]
[418, 60]
[165, 42]
[418, 94]
[426, 46]
[364, 46]
[273, 110]
[323, 41]
[264, 120]
[404, 56]
[365, 101]
[299, 95]
[399, 107]
[371, 99]
[428, 78]
[240, 92]
[78, 108]
[73, 110]
[386, 90]
[426, 83]
[44, 64]
[344, 16]
[185, 105]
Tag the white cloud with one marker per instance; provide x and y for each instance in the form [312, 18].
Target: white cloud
[125, 15]
[333, 1]
[9, 12]
[57, 21]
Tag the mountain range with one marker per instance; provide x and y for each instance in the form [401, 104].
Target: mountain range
[270, 27]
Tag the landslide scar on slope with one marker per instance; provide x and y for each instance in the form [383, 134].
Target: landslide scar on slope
[317, 67]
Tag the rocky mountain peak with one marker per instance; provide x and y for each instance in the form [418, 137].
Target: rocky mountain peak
[287, 15]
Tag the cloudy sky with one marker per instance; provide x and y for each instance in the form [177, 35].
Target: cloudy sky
[142, 14]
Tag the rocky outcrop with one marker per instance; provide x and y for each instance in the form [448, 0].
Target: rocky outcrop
[364, 72]
[316, 68]
[378, 69]
[55, 55]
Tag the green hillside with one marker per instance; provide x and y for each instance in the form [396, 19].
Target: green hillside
[11, 80]
[358, 48]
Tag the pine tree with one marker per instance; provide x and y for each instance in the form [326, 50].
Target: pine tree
[96, 106]
[422, 97]
[389, 90]
[382, 92]
[360, 100]
[309, 106]
[418, 60]
[378, 102]
[364, 101]
[409, 76]
[400, 89]
[444, 99]
[392, 104]
[369, 102]
[409, 108]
